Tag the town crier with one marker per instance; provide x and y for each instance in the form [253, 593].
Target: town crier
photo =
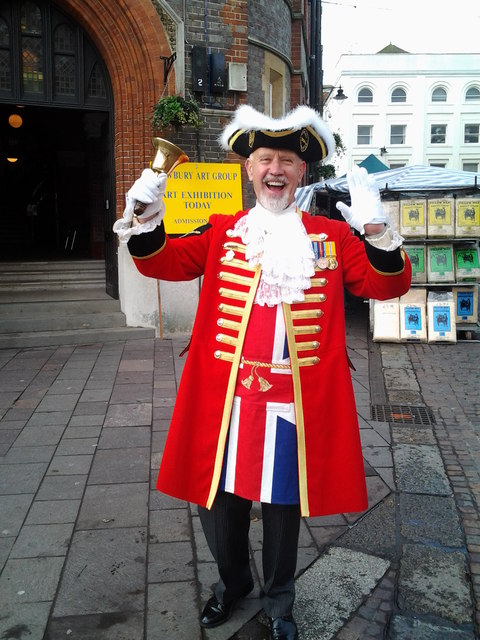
[265, 410]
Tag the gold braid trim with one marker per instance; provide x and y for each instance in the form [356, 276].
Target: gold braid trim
[270, 365]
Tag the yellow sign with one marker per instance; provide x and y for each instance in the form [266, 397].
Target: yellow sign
[195, 190]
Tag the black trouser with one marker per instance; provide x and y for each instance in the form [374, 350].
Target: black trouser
[226, 528]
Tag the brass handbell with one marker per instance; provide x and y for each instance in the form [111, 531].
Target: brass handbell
[167, 157]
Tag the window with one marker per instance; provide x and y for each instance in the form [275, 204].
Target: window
[397, 133]
[438, 164]
[5, 75]
[365, 95]
[397, 165]
[473, 94]
[470, 166]
[46, 58]
[65, 63]
[471, 133]
[439, 95]
[399, 95]
[32, 48]
[364, 134]
[438, 133]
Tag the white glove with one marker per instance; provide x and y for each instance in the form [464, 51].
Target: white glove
[148, 189]
[366, 207]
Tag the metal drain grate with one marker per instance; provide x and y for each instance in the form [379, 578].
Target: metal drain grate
[402, 413]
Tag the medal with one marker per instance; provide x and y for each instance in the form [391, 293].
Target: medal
[332, 263]
[322, 263]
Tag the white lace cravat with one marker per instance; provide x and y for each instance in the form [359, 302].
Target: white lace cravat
[279, 243]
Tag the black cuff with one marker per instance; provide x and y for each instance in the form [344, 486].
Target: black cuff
[145, 244]
[389, 262]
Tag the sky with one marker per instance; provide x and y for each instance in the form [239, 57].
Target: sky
[417, 26]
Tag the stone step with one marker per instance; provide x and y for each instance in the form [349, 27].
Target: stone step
[54, 322]
[32, 276]
[77, 336]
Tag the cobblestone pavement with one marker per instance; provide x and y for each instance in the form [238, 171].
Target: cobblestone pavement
[89, 549]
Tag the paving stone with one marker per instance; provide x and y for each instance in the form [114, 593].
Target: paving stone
[117, 505]
[113, 557]
[375, 533]
[49, 418]
[41, 540]
[62, 488]
[87, 421]
[404, 628]
[126, 625]
[120, 466]
[21, 478]
[24, 455]
[332, 589]
[172, 612]
[46, 435]
[55, 402]
[433, 581]
[171, 562]
[431, 520]
[90, 409]
[115, 437]
[25, 620]
[70, 465]
[169, 525]
[129, 415]
[96, 395]
[53, 511]
[30, 580]
[419, 469]
[76, 446]
[13, 510]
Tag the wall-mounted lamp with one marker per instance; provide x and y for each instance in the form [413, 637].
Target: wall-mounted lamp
[383, 151]
[340, 95]
[15, 120]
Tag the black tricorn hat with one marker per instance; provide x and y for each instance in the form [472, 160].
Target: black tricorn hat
[302, 131]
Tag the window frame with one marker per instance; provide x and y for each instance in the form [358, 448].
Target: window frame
[370, 135]
[476, 135]
[439, 134]
[393, 98]
[403, 134]
[360, 98]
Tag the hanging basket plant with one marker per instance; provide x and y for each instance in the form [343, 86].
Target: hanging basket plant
[177, 112]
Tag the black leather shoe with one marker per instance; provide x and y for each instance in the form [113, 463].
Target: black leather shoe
[216, 613]
[283, 628]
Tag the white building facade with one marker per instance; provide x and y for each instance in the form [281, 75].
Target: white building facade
[408, 109]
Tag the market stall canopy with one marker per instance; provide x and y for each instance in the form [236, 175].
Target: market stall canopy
[372, 164]
[416, 177]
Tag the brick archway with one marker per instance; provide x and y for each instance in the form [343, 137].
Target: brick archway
[131, 39]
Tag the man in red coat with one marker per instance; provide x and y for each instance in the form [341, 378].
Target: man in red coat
[265, 411]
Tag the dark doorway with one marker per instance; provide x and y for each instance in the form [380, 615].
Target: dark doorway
[52, 183]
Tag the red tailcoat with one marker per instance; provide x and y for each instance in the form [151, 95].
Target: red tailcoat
[331, 471]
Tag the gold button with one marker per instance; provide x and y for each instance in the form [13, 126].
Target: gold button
[323, 282]
[230, 255]
[316, 344]
[220, 322]
[323, 297]
[219, 337]
[217, 354]
[317, 329]
[316, 360]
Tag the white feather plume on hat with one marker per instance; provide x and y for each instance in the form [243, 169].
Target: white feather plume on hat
[302, 130]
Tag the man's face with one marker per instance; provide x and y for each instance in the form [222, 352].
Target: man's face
[276, 174]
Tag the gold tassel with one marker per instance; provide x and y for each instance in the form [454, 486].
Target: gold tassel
[264, 384]
[247, 382]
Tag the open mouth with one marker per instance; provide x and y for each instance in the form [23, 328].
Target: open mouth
[275, 186]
